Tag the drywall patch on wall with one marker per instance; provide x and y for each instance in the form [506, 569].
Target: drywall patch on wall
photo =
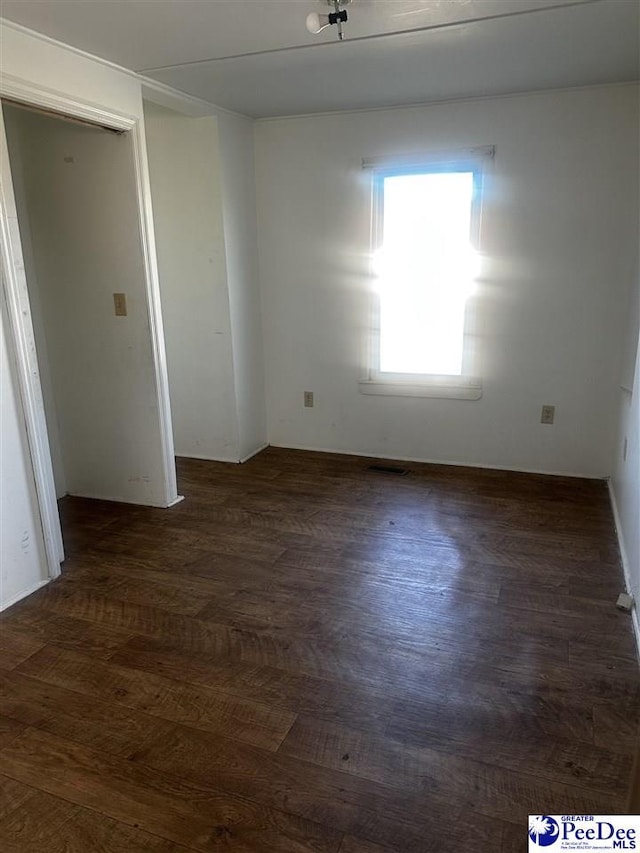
[558, 242]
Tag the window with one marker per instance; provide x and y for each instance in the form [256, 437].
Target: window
[426, 219]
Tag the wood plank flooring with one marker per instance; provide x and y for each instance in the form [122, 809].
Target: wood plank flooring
[306, 655]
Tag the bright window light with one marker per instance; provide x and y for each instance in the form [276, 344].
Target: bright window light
[425, 270]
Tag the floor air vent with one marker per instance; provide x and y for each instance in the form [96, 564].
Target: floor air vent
[388, 469]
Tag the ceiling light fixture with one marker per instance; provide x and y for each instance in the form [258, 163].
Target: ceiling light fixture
[316, 23]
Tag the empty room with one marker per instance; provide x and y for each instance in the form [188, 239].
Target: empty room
[319, 412]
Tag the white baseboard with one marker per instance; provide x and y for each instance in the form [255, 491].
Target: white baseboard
[625, 562]
[223, 458]
[25, 592]
[208, 458]
[178, 500]
[121, 500]
[426, 461]
[254, 453]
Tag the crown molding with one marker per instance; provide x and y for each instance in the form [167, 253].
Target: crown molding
[155, 91]
[419, 105]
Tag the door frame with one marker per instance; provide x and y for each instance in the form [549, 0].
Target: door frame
[19, 311]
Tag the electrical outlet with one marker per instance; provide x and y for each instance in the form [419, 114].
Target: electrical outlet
[547, 414]
[625, 602]
[308, 399]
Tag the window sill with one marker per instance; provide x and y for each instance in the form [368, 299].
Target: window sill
[470, 389]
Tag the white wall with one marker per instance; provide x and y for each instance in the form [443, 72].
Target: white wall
[184, 167]
[558, 237]
[80, 193]
[22, 559]
[241, 242]
[203, 189]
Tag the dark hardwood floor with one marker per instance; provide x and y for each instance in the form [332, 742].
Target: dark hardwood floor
[306, 655]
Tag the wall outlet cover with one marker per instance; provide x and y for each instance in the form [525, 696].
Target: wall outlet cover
[624, 602]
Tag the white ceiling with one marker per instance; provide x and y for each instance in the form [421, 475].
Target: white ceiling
[256, 56]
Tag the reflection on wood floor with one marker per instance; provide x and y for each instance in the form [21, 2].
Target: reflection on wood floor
[306, 655]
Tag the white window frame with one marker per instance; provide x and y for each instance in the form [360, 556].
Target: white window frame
[468, 385]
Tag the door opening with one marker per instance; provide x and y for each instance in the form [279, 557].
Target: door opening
[83, 238]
